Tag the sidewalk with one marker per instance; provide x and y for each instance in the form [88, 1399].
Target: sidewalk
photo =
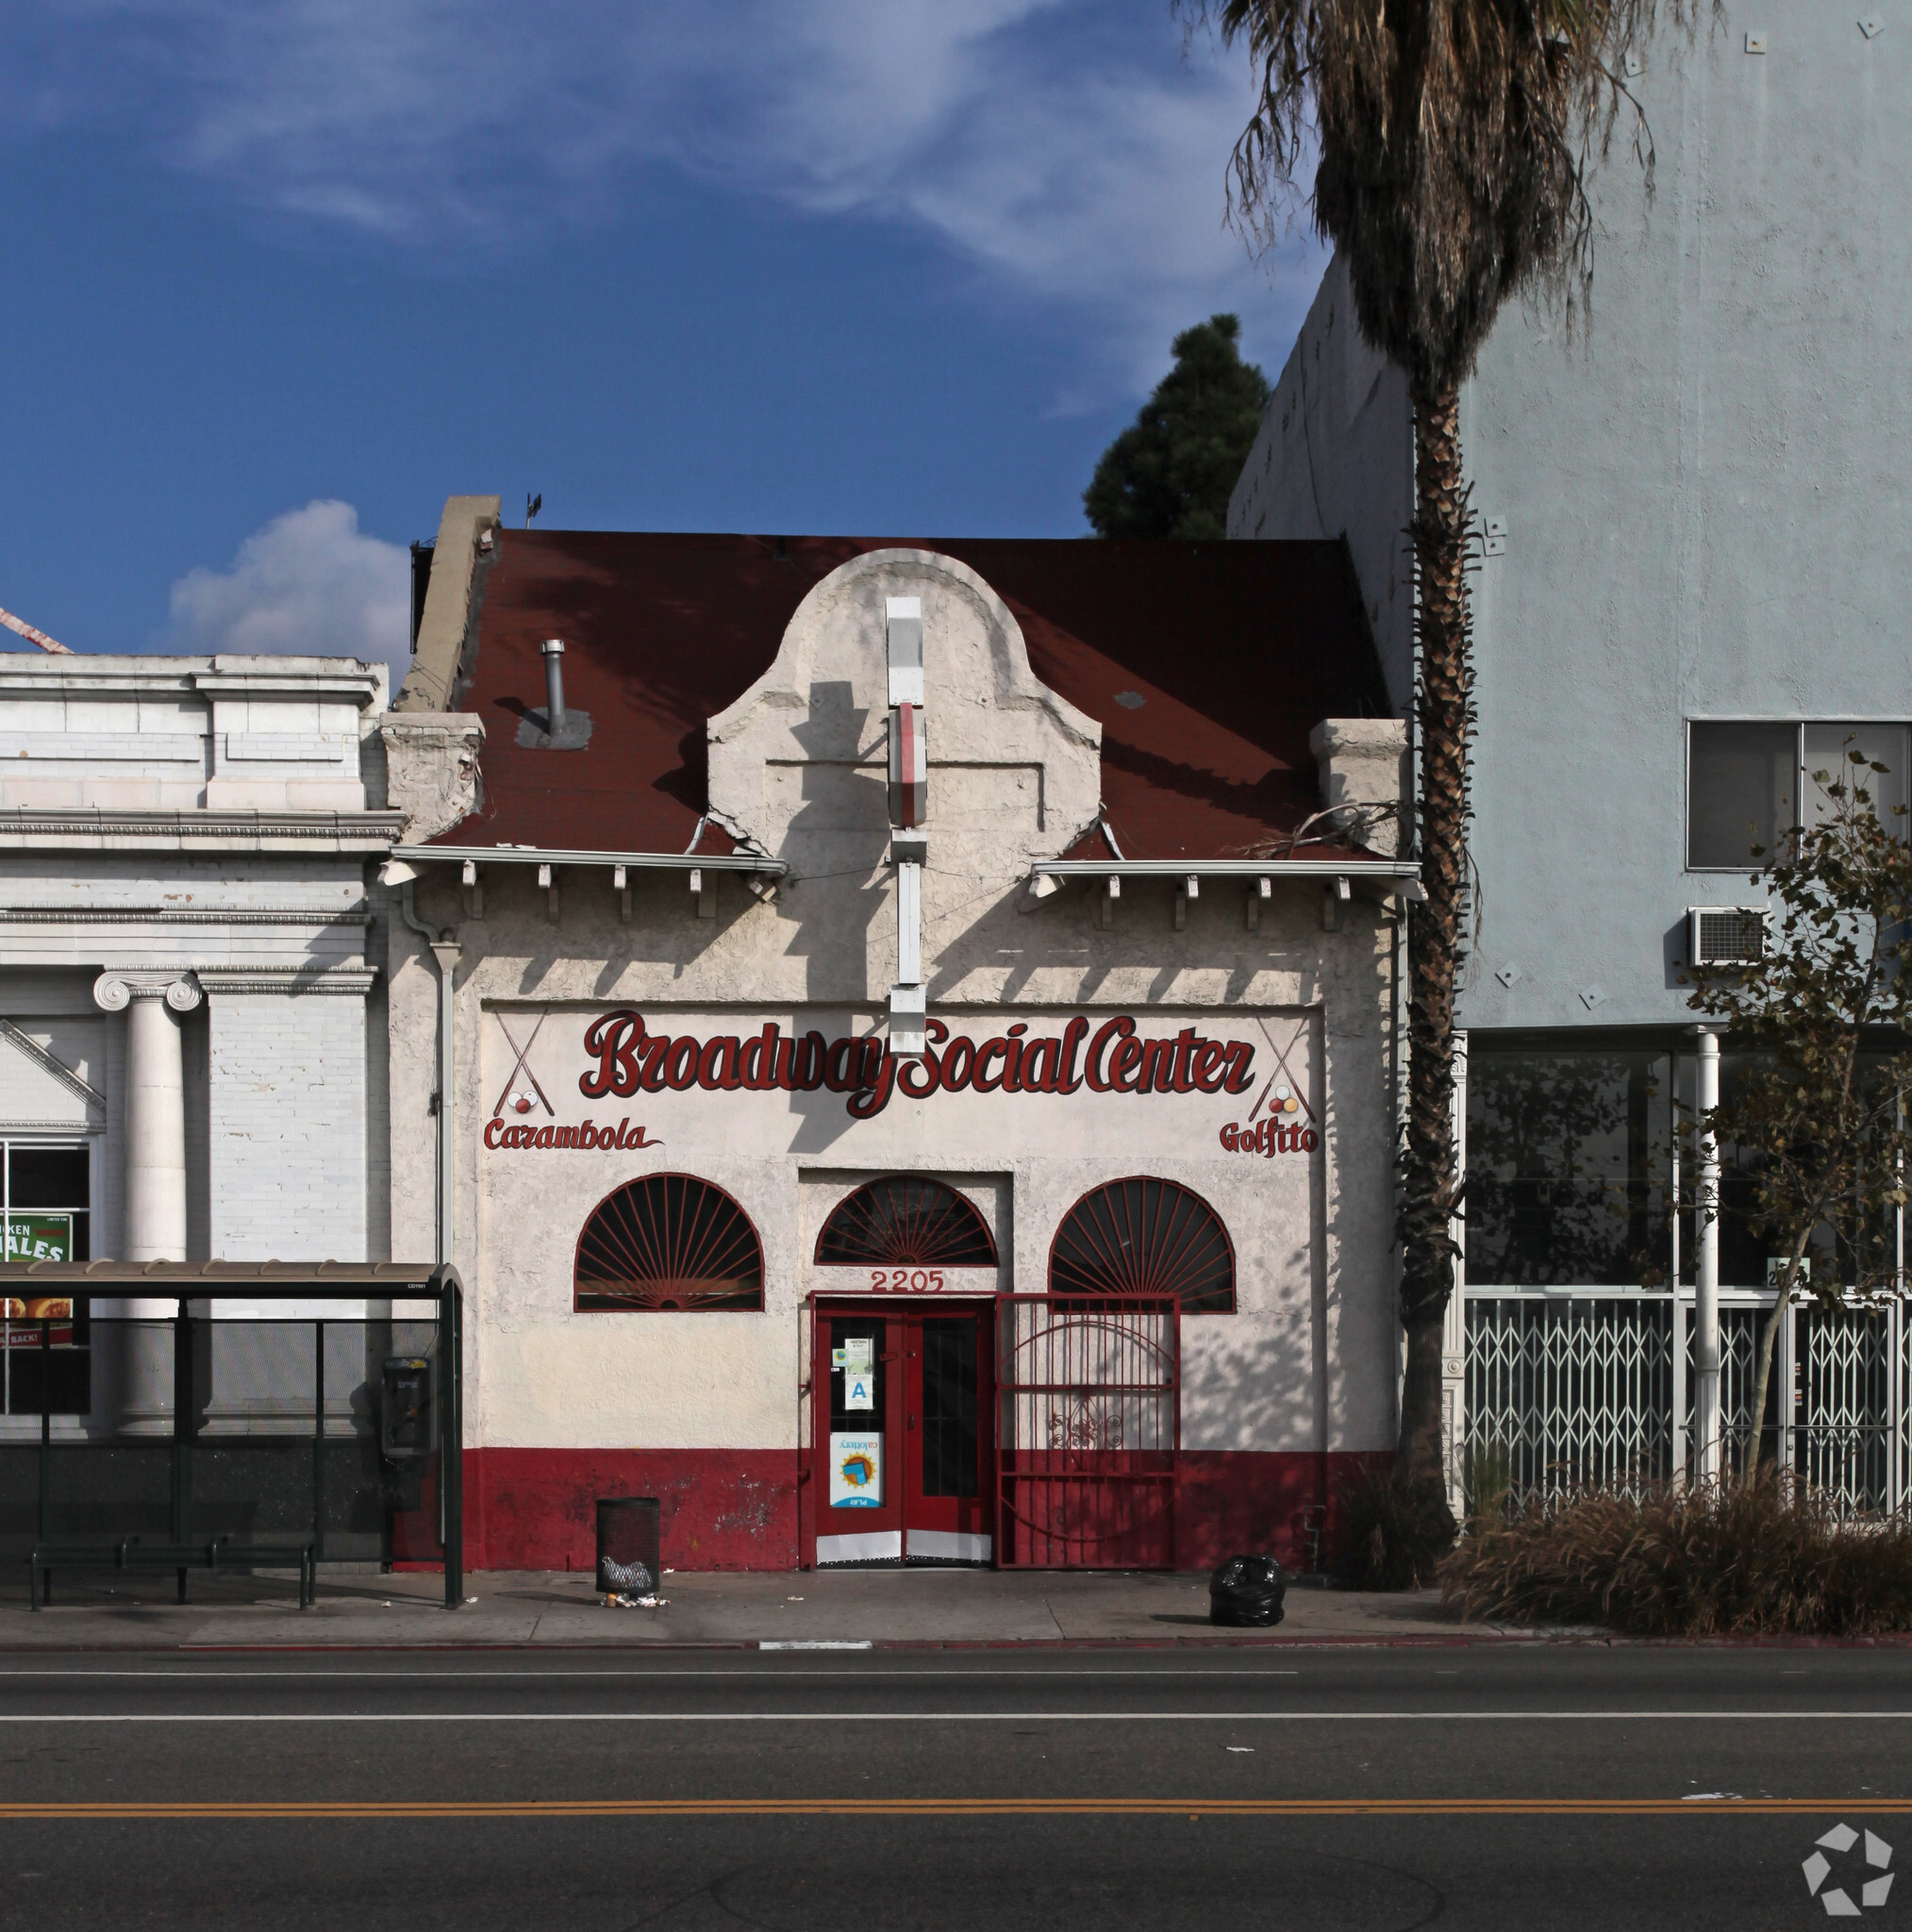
[104, 1610]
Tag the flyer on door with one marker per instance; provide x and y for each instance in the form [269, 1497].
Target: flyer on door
[856, 1471]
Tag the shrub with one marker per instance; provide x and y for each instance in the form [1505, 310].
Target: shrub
[1769, 1556]
[1488, 1476]
[1387, 1540]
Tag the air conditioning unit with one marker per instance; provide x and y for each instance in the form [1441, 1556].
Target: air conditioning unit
[1725, 935]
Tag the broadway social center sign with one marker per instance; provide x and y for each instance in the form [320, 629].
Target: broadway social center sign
[627, 1057]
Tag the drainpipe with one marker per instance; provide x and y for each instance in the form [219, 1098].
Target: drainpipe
[444, 948]
[1706, 1292]
[445, 951]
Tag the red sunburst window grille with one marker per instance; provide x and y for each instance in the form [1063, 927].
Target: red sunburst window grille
[1144, 1236]
[906, 1220]
[668, 1241]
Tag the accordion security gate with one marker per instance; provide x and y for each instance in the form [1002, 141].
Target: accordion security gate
[1565, 1388]
[1089, 1398]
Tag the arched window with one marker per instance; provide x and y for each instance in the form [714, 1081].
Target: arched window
[906, 1220]
[668, 1241]
[1144, 1236]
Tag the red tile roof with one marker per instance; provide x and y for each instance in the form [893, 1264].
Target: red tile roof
[1206, 664]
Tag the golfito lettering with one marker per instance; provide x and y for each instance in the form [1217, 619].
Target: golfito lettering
[631, 1059]
[1268, 1137]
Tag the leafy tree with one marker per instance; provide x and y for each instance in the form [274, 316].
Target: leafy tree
[1452, 141]
[1815, 1131]
[1170, 472]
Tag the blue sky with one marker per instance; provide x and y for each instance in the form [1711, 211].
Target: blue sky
[284, 273]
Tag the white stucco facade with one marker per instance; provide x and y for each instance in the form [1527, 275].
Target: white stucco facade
[716, 1406]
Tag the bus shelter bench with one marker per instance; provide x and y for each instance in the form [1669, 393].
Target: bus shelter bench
[134, 1553]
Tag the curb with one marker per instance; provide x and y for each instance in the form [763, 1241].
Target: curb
[1186, 1645]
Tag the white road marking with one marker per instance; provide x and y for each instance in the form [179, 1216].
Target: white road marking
[954, 1717]
[407, 1673]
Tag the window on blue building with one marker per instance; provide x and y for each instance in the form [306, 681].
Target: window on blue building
[1742, 791]
[1747, 783]
[1568, 1153]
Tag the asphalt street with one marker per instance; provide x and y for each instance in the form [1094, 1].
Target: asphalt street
[1529, 1786]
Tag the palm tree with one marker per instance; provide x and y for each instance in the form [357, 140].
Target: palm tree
[1455, 139]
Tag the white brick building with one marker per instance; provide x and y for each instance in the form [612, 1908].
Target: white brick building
[192, 1029]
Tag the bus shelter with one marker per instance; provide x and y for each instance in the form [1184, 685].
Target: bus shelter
[230, 1412]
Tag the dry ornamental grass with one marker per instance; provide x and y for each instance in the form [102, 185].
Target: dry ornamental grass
[1769, 1557]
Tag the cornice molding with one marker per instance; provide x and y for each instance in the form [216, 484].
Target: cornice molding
[20, 825]
[225, 981]
[244, 674]
[170, 916]
[357, 686]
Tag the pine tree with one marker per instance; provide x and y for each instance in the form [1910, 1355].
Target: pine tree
[1170, 472]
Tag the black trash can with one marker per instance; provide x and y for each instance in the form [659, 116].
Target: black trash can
[1247, 1591]
[628, 1529]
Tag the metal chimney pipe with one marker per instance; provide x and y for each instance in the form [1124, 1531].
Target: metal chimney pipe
[553, 686]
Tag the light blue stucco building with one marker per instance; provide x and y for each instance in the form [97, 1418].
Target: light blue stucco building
[1695, 584]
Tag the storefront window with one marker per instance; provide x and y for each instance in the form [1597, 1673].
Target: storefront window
[1569, 1153]
[46, 1207]
[1144, 1236]
[906, 1220]
[667, 1243]
[1746, 1254]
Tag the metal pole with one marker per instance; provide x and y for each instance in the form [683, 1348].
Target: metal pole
[1453, 1323]
[1706, 1294]
[452, 1441]
[182, 1440]
[319, 1441]
[45, 1430]
[1682, 1420]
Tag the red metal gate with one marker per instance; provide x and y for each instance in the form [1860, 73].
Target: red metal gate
[1089, 1419]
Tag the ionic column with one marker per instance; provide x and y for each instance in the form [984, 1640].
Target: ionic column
[156, 1111]
[134, 1385]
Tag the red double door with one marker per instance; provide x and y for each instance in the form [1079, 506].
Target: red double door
[903, 1469]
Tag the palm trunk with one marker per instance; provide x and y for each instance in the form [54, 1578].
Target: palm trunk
[1430, 1178]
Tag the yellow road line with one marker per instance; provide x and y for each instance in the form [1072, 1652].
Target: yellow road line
[973, 1807]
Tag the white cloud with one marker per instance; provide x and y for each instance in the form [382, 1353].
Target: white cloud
[311, 584]
[1066, 149]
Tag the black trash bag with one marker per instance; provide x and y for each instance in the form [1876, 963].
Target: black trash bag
[1247, 1590]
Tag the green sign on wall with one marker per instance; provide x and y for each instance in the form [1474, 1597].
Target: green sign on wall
[40, 1237]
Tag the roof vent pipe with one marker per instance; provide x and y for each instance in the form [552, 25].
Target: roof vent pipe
[553, 686]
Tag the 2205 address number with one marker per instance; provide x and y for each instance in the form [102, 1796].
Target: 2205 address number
[905, 1280]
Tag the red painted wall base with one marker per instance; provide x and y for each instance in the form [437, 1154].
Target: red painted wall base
[720, 1509]
[736, 1508]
